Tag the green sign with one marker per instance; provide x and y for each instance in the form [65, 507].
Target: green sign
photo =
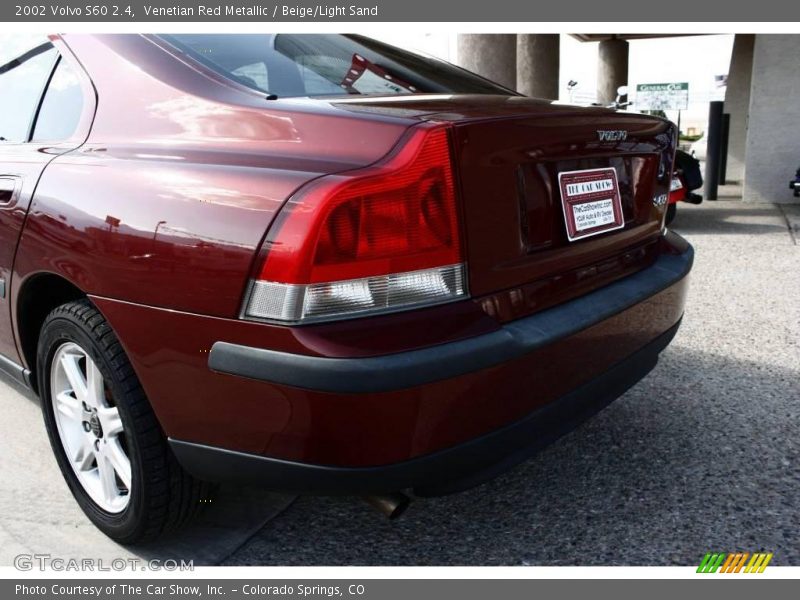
[662, 96]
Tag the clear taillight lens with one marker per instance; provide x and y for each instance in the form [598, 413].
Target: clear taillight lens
[294, 303]
[381, 239]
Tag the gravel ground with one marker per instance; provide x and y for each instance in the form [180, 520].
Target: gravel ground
[703, 454]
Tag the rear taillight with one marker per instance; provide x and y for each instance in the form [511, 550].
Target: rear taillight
[380, 239]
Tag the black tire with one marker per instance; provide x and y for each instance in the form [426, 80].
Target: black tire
[163, 497]
[672, 210]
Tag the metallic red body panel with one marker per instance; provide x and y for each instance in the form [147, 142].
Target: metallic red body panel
[168, 199]
[169, 351]
[25, 162]
[509, 181]
[509, 151]
[158, 216]
[20, 166]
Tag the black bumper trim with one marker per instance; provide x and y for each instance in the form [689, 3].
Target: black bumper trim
[443, 472]
[418, 367]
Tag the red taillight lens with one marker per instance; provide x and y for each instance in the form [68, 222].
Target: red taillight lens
[399, 216]
[379, 239]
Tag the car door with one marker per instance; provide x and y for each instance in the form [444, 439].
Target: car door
[42, 105]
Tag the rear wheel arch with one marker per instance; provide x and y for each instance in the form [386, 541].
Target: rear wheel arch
[38, 296]
[107, 441]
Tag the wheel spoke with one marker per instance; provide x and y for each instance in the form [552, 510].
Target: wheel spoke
[90, 428]
[69, 406]
[95, 390]
[69, 362]
[111, 421]
[108, 482]
[84, 458]
[119, 462]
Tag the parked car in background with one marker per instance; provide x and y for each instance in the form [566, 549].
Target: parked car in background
[698, 148]
[316, 263]
[686, 178]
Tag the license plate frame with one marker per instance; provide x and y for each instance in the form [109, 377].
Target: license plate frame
[591, 202]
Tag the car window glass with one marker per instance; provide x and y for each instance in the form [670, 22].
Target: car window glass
[62, 105]
[315, 84]
[22, 80]
[326, 64]
[12, 45]
[254, 75]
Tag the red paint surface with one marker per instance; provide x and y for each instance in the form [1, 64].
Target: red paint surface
[159, 214]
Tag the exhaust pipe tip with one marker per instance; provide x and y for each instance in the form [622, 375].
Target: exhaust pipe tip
[391, 506]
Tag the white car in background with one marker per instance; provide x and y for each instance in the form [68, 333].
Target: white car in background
[698, 148]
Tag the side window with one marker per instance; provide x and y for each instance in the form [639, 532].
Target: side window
[62, 105]
[315, 84]
[254, 75]
[22, 80]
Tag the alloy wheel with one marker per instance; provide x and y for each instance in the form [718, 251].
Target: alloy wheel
[90, 428]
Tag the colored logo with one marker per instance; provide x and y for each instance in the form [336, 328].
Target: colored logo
[734, 562]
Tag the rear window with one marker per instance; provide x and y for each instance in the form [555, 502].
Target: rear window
[61, 108]
[326, 65]
[22, 80]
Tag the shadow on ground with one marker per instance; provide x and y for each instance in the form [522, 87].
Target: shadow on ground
[38, 514]
[728, 221]
[701, 455]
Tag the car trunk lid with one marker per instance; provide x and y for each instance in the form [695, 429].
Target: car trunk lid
[509, 153]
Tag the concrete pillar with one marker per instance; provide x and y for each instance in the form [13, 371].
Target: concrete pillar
[772, 150]
[737, 102]
[538, 59]
[492, 55]
[612, 69]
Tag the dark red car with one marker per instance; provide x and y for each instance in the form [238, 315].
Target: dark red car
[317, 263]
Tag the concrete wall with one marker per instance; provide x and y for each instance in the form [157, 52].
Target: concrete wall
[526, 63]
[493, 55]
[737, 103]
[773, 142]
[538, 60]
[612, 69]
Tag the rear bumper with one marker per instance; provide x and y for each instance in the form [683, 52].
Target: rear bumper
[443, 472]
[419, 367]
[462, 412]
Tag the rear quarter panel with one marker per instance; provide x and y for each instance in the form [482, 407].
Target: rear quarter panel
[168, 199]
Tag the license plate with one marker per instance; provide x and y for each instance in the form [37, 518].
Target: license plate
[675, 185]
[591, 202]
